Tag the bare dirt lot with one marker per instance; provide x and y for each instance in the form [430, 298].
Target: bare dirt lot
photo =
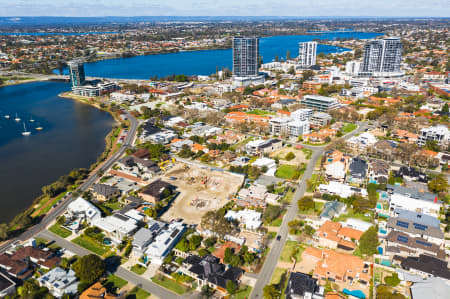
[201, 190]
[282, 152]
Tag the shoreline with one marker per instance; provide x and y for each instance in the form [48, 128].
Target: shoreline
[109, 146]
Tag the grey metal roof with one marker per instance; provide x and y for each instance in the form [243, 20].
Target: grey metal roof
[418, 217]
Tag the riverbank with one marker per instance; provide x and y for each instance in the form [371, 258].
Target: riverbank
[44, 203]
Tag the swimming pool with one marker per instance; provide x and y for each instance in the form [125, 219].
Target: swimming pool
[356, 293]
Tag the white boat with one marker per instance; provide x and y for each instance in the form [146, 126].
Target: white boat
[39, 128]
[32, 120]
[25, 132]
[17, 118]
[7, 116]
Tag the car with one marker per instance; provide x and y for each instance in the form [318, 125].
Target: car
[278, 238]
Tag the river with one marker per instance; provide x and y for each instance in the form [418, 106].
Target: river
[72, 137]
[206, 62]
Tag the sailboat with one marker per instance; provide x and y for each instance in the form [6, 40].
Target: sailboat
[7, 116]
[25, 132]
[31, 120]
[17, 118]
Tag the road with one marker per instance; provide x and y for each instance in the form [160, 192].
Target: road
[34, 230]
[274, 254]
[121, 272]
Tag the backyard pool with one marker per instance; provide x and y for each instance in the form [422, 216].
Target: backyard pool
[356, 293]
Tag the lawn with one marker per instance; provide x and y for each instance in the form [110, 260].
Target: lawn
[347, 128]
[287, 251]
[277, 222]
[351, 214]
[307, 152]
[288, 172]
[91, 245]
[138, 269]
[315, 181]
[137, 293]
[114, 282]
[113, 205]
[241, 143]
[170, 284]
[276, 277]
[260, 112]
[288, 197]
[60, 231]
[243, 292]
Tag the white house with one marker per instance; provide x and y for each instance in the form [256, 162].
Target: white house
[249, 219]
[59, 282]
[164, 242]
[341, 189]
[83, 210]
[117, 226]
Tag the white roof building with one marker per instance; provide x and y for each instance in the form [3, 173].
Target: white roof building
[420, 205]
[116, 226]
[362, 141]
[342, 190]
[247, 218]
[83, 209]
[336, 171]
[164, 242]
[357, 224]
[59, 282]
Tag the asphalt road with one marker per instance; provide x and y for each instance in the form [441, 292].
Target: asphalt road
[55, 212]
[123, 273]
[274, 254]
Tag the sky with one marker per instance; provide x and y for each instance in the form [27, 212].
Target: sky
[299, 8]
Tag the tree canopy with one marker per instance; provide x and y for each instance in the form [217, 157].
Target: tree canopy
[369, 241]
[89, 268]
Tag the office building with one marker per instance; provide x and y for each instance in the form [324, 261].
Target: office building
[302, 114]
[320, 103]
[353, 67]
[307, 53]
[382, 56]
[245, 56]
[77, 76]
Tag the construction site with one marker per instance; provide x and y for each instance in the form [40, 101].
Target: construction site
[201, 190]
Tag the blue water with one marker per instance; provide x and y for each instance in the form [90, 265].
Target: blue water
[206, 62]
[356, 293]
[73, 137]
[53, 33]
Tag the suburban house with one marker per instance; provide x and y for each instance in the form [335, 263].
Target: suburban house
[145, 236]
[361, 142]
[163, 243]
[59, 282]
[417, 225]
[220, 252]
[16, 268]
[103, 192]
[333, 235]
[336, 171]
[434, 287]
[399, 243]
[358, 171]
[413, 200]
[138, 166]
[340, 267]
[43, 258]
[82, 210]
[255, 196]
[248, 219]
[209, 271]
[332, 209]
[303, 286]
[97, 291]
[427, 266]
[411, 174]
[7, 286]
[261, 146]
[341, 190]
[156, 191]
[379, 172]
[117, 226]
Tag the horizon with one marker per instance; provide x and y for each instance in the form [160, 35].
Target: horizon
[221, 8]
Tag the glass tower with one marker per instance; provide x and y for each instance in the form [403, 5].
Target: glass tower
[77, 77]
[382, 56]
[245, 56]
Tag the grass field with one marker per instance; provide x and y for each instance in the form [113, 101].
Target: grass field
[62, 232]
[112, 205]
[288, 172]
[347, 128]
[138, 269]
[170, 284]
[277, 222]
[351, 214]
[260, 112]
[289, 251]
[276, 277]
[243, 292]
[91, 245]
[137, 293]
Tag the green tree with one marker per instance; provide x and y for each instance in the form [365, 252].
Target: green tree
[305, 203]
[369, 241]
[89, 268]
[270, 291]
[231, 287]
[3, 231]
[290, 156]
[183, 245]
[445, 108]
[392, 280]
[438, 184]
